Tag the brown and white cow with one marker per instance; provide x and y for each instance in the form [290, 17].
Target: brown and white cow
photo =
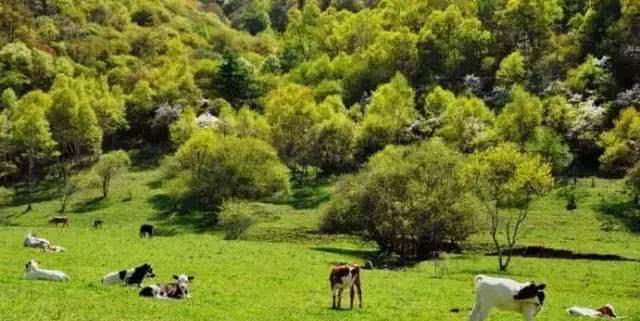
[176, 290]
[57, 220]
[606, 312]
[345, 276]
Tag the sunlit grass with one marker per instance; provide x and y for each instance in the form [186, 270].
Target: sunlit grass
[281, 271]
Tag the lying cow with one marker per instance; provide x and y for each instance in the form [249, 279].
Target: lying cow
[131, 276]
[506, 294]
[34, 272]
[176, 290]
[345, 276]
[31, 240]
[606, 312]
[53, 248]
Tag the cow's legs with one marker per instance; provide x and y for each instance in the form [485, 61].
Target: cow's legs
[334, 291]
[479, 313]
[351, 295]
[357, 285]
[529, 313]
[339, 298]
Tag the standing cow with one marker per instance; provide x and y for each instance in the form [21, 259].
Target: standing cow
[57, 220]
[345, 276]
[147, 230]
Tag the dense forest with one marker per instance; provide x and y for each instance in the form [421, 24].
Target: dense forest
[484, 101]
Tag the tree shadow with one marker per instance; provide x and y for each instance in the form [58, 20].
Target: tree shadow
[307, 195]
[186, 213]
[625, 212]
[155, 184]
[91, 205]
[45, 191]
[361, 254]
[148, 156]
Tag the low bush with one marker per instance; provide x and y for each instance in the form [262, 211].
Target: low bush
[235, 219]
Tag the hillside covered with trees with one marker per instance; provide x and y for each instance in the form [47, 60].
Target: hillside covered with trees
[430, 109]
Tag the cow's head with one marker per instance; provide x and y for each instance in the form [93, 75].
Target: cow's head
[183, 282]
[608, 311]
[532, 291]
[354, 270]
[31, 265]
[147, 270]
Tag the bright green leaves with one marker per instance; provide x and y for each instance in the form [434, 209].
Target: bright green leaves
[621, 149]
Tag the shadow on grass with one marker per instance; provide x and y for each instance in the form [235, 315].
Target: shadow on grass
[155, 184]
[148, 156]
[187, 213]
[309, 195]
[625, 212]
[45, 191]
[550, 253]
[91, 205]
[361, 254]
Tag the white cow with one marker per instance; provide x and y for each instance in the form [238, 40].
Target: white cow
[31, 240]
[506, 294]
[34, 272]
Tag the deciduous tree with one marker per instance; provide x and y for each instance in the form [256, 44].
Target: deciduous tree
[506, 180]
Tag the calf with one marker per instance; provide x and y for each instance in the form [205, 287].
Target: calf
[57, 220]
[31, 240]
[175, 290]
[131, 276]
[506, 294]
[147, 230]
[34, 272]
[97, 224]
[606, 312]
[345, 276]
[53, 248]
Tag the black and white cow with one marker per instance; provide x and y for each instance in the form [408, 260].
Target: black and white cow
[147, 230]
[131, 276]
[506, 294]
[176, 290]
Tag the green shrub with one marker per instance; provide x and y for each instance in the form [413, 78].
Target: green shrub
[408, 200]
[235, 219]
[6, 196]
[220, 167]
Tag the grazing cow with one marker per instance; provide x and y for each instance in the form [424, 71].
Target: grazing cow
[345, 276]
[147, 230]
[176, 290]
[97, 224]
[130, 276]
[34, 272]
[606, 312]
[31, 240]
[57, 220]
[506, 294]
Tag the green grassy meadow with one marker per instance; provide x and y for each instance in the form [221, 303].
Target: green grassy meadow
[280, 272]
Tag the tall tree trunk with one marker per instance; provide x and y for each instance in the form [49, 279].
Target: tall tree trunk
[29, 183]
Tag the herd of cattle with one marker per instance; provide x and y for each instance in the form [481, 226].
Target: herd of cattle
[501, 293]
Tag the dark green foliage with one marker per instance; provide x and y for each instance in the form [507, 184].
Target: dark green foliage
[235, 81]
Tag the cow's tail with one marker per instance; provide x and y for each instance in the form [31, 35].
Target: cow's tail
[477, 279]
